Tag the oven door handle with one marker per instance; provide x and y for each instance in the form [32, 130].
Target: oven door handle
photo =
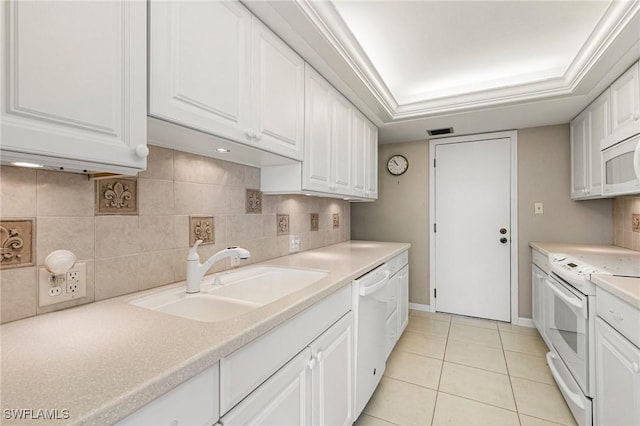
[574, 397]
[569, 301]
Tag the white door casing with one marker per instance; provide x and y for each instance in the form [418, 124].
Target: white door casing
[473, 195]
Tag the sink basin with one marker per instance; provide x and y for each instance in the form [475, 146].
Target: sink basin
[241, 291]
[262, 285]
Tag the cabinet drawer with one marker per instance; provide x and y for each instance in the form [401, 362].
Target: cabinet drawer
[619, 314]
[245, 369]
[398, 262]
[540, 260]
[194, 402]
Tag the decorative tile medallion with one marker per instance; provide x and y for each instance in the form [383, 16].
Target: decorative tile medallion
[315, 221]
[635, 222]
[201, 228]
[336, 220]
[117, 196]
[282, 222]
[253, 201]
[16, 239]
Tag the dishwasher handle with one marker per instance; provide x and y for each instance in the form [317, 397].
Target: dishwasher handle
[370, 289]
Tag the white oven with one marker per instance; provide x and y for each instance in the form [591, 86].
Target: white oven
[621, 167]
[569, 321]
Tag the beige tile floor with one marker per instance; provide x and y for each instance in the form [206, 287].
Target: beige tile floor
[453, 370]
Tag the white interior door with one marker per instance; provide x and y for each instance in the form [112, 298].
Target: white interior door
[472, 206]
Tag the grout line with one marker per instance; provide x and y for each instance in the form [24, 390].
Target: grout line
[480, 402]
[513, 394]
[435, 403]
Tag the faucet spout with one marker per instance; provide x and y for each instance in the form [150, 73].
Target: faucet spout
[197, 270]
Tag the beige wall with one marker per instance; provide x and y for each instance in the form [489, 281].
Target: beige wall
[544, 175]
[125, 254]
[401, 212]
[625, 211]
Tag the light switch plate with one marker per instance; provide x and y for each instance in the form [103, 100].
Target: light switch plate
[538, 208]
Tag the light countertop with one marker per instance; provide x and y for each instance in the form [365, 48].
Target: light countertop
[105, 360]
[625, 288]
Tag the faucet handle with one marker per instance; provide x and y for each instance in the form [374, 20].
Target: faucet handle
[193, 251]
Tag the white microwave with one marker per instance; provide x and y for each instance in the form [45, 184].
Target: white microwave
[621, 167]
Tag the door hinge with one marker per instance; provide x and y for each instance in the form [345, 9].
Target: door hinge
[434, 163]
[435, 293]
[435, 228]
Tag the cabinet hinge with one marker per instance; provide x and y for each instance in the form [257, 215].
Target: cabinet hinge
[435, 293]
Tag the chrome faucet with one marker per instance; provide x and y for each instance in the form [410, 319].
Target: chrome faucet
[196, 270]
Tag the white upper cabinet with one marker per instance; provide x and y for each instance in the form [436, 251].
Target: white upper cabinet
[579, 155]
[341, 139]
[200, 65]
[216, 68]
[371, 160]
[588, 130]
[625, 106]
[316, 170]
[277, 94]
[74, 75]
[358, 153]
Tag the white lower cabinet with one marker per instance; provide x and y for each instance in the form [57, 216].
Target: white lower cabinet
[333, 375]
[194, 402]
[617, 378]
[403, 299]
[315, 387]
[284, 399]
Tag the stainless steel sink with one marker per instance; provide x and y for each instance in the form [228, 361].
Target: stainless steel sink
[239, 292]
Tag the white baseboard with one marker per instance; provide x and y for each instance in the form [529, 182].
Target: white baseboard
[524, 322]
[420, 307]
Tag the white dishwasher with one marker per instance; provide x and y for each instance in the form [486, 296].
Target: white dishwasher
[370, 312]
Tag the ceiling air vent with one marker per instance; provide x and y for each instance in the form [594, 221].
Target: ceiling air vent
[440, 132]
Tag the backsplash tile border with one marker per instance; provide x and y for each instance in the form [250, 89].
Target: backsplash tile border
[202, 228]
[150, 247]
[116, 196]
[17, 243]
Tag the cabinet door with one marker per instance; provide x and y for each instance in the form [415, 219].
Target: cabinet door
[284, 399]
[403, 299]
[579, 155]
[316, 168]
[358, 153]
[625, 104]
[75, 81]
[341, 134]
[277, 94]
[200, 66]
[371, 160]
[617, 378]
[333, 374]
[598, 130]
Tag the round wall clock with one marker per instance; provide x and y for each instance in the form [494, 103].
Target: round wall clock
[397, 165]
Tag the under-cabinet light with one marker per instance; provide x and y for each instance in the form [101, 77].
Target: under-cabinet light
[24, 164]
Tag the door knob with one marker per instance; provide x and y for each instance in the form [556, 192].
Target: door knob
[503, 231]
[503, 240]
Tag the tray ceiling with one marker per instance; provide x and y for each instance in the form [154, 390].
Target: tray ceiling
[412, 65]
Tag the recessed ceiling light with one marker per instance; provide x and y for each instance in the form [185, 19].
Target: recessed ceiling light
[24, 164]
[223, 150]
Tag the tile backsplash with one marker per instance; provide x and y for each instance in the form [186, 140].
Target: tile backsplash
[129, 252]
[626, 211]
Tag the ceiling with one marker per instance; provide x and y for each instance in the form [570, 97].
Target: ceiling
[476, 66]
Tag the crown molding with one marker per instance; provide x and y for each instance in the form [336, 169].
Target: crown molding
[328, 22]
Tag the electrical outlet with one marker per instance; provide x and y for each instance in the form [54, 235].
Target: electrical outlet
[538, 208]
[62, 287]
[235, 260]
